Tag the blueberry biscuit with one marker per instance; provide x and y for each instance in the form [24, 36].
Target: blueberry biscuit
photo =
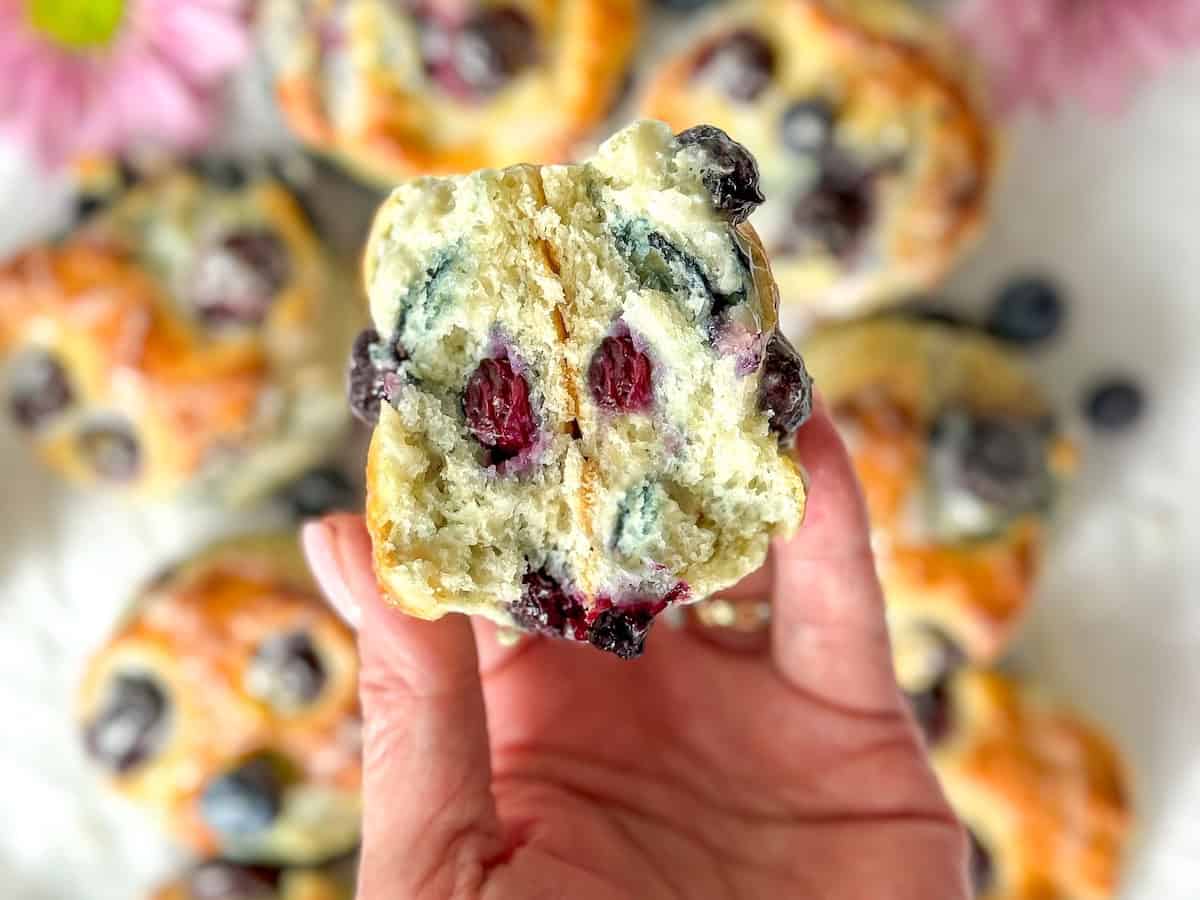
[1043, 794]
[446, 86]
[222, 879]
[184, 338]
[876, 159]
[583, 403]
[227, 704]
[960, 462]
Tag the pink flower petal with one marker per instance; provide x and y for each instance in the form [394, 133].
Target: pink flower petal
[204, 43]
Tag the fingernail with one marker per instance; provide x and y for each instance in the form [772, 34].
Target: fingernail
[320, 542]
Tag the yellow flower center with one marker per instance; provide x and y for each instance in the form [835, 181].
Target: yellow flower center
[77, 24]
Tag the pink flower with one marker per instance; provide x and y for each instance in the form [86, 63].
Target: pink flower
[93, 77]
[1039, 51]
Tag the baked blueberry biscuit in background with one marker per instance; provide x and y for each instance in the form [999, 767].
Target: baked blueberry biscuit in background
[876, 158]
[397, 88]
[187, 337]
[220, 879]
[960, 462]
[1043, 794]
[227, 704]
[584, 407]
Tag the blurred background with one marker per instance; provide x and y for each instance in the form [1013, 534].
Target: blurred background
[1093, 198]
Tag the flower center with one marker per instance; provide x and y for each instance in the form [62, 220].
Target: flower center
[77, 24]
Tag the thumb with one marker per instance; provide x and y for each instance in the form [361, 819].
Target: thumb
[429, 819]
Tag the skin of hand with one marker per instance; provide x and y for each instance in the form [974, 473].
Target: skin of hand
[718, 765]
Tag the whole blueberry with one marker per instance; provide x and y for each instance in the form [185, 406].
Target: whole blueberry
[785, 388]
[287, 672]
[244, 801]
[235, 280]
[320, 491]
[740, 64]
[621, 631]
[1027, 311]
[1114, 403]
[619, 376]
[497, 411]
[373, 365]
[492, 47]
[806, 127]
[110, 450]
[38, 389]
[130, 725]
[730, 172]
[836, 212]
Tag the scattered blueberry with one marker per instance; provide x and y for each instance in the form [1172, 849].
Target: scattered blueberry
[111, 450]
[496, 406]
[287, 672]
[1114, 403]
[220, 879]
[546, 608]
[87, 205]
[837, 211]
[492, 47]
[235, 281]
[740, 65]
[980, 866]
[1003, 461]
[1027, 311]
[619, 376]
[373, 363]
[38, 390]
[244, 801]
[321, 491]
[130, 725]
[807, 126]
[731, 175]
[621, 631]
[785, 389]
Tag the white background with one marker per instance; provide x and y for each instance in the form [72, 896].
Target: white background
[1111, 209]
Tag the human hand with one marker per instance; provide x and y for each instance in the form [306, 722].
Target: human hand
[720, 764]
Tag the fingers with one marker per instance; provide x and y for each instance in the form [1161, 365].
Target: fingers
[429, 817]
[828, 632]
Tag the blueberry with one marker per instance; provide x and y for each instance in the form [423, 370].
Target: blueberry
[492, 47]
[222, 172]
[980, 866]
[1027, 311]
[807, 126]
[235, 281]
[496, 407]
[621, 631]
[837, 211]
[245, 801]
[730, 173]
[740, 65]
[545, 607]
[130, 726]
[1114, 403]
[87, 205]
[785, 389]
[219, 879]
[999, 460]
[38, 390]
[619, 376]
[321, 491]
[111, 450]
[373, 366]
[287, 672]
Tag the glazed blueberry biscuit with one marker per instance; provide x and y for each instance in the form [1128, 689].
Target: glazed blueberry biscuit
[227, 705]
[184, 338]
[876, 159]
[580, 390]
[960, 463]
[1043, 794]
[406, 87]
[222, 879]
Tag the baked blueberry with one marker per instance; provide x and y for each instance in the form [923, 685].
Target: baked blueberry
[235, 281]
[1114, 403]
[740, 65]
[806, 127]
[245, 801]
[545, 607]
[619, 376]
[38, 389]
[785, 392]
[492, 48]
[130, 725]
[731, 173]
[287, 672]
[110, 450]
[622, 630]
[374, 365]
[497, 410]
[1027, 311]
[837, 211]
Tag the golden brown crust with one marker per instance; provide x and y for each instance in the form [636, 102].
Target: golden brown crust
[388, 122]
[887, 380]
[195, 632]
[1044, 792]
[902, 91]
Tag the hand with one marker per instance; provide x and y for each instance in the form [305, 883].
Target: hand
[718, 765]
